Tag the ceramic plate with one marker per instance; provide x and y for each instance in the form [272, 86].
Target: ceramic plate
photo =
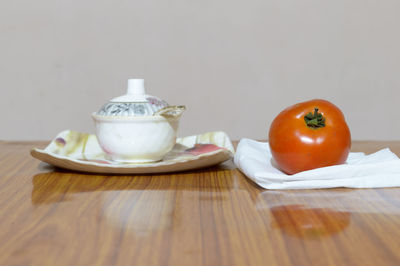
[81, 152]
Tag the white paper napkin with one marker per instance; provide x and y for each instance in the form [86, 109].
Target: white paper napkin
[380, 169]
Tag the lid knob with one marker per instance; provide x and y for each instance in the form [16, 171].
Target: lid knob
[136, 87]
[134, 93]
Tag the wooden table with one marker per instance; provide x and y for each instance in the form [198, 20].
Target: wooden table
[213, 216]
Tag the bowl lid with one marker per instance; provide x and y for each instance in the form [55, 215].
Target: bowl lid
[134, 103]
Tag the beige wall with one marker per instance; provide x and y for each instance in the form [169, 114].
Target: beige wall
[235, 64]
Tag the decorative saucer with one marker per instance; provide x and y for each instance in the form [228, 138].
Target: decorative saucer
[81, 152]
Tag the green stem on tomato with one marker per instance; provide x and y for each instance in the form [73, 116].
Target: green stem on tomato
[314, 120]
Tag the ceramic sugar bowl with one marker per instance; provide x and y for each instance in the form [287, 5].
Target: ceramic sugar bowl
[136, 127]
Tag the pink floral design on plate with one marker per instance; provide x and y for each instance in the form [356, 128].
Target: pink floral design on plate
[60, 142]
[202, 148]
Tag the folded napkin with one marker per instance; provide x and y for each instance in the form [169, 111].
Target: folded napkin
[380, 169]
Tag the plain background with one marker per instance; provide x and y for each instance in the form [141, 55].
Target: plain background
[234, 64]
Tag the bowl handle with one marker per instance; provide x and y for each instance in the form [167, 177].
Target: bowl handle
[171, 111]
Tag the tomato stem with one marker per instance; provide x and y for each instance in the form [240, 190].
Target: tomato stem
[314, 120]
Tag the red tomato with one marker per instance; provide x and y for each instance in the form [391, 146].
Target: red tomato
[309, 135]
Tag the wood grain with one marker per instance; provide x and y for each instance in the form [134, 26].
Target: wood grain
[213, 216]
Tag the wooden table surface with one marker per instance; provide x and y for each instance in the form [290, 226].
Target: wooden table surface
[214, 216]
